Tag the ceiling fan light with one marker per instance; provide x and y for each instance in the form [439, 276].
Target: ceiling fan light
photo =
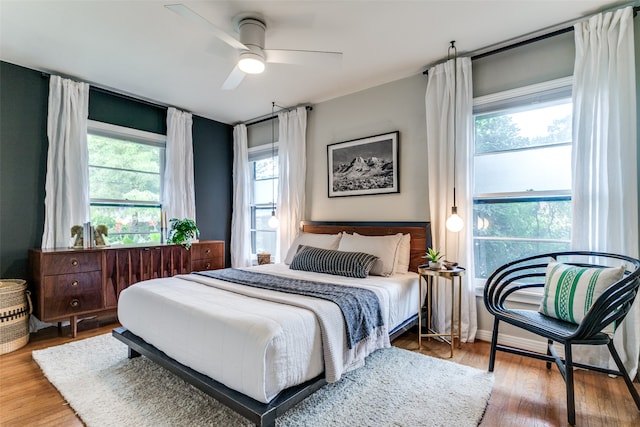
[251, 63]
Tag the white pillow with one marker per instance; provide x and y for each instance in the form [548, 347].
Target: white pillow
[404, 255]
[384, 247]
[322, 241]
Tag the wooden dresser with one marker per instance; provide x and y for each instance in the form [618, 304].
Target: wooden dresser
[73, 283]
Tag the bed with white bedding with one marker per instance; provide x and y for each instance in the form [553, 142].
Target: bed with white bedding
[263, 343]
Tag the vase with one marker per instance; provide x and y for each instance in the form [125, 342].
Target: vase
[435, 265]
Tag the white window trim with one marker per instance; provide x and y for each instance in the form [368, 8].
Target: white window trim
[140, 136]
[523, 91]
[530, 296]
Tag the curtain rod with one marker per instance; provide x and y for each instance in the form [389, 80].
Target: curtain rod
[109, 91]
[526, 39]
[269, 116]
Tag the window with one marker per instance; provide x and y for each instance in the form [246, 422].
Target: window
[125, 182]
[264, 191]
[521, 174]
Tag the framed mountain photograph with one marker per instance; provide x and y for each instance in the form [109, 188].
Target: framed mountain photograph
[364, 166]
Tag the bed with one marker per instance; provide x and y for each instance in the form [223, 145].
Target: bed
[250, 351]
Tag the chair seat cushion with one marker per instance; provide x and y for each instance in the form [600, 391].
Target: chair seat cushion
[570, 291]
[548, 327]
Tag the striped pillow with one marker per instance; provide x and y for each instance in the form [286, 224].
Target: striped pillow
[570, 291]
[340, 263]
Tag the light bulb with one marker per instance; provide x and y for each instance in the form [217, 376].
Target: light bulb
[273, 221]
[251, 63]
[454, 222]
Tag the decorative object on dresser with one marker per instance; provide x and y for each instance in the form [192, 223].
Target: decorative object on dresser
[182, 232]
[364, 166]
[74, 283]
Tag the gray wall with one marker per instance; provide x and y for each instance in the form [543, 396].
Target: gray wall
[400, 106]
[396, 106]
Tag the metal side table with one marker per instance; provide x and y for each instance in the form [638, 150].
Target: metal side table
[427, 276]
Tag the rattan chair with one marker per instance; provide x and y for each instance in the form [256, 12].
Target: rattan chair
[612, 306]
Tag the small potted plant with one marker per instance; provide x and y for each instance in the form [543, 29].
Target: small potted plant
[434, 257]
[182, 232]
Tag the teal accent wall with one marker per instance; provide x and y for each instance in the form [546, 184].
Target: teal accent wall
[213, 180]
[23, 161]
[23, 158]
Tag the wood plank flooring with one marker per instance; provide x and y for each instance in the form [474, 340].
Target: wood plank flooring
[525, 392]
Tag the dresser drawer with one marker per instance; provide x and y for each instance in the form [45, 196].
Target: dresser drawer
[207, 250]
[69, 294]
[207, 264]
[70, 262]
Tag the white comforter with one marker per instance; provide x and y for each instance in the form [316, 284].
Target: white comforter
[251, 345]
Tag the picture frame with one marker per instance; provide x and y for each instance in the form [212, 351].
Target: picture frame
[364, 166]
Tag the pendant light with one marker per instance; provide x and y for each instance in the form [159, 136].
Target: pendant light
[454, 222]
[273, 221]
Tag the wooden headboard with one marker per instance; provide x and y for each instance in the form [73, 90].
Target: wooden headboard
[420, 233]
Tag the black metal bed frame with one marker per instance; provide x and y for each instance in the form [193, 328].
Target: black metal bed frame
[261, 414]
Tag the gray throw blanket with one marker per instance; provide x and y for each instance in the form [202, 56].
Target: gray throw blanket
[360, 307]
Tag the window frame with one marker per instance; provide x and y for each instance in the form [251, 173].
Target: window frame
[510, 99]
[256, 153]
[151, 139]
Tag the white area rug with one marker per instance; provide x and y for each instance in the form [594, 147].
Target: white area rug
[395, 388]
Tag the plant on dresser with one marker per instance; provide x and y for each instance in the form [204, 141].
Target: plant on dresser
[72, 283]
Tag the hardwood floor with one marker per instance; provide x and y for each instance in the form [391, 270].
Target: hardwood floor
[525, 392]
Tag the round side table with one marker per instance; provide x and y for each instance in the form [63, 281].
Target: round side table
[426, 276]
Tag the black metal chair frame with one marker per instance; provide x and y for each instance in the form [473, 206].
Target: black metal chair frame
[612, 306]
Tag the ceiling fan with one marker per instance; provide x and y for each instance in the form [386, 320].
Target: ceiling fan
[252, 55]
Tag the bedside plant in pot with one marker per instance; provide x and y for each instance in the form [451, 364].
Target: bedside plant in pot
[182, 232]
[434, 257]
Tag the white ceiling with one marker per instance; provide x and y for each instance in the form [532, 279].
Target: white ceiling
[142, 49]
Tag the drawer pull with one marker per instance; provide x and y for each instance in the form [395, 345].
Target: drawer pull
[74, 283]
[208, 266]
[74, 262]
[75, 303]
[208, 251]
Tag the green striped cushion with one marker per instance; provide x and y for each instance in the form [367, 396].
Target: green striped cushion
[570, 291]
[340, 263]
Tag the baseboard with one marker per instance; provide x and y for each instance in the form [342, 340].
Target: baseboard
[539, 346]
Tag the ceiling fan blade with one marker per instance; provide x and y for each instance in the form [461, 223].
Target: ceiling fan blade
[234, 79]
[192, 16]
[302, 57]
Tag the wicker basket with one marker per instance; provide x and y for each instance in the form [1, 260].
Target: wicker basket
[15, 308]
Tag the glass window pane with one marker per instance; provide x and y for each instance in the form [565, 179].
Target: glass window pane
[491, 254]
[265, 191]
[128, 225]
[123, 170]
[123, 185]
[266, 168]
[121, 154]
[535, 169]
[545, 219]
[529, 126]
[265, 242]
[261, 218]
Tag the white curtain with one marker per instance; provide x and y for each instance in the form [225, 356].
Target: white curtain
[67, 181]
[291, 176]
[178, 194]
[440, 110]
[605, 191]
[240, 245]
